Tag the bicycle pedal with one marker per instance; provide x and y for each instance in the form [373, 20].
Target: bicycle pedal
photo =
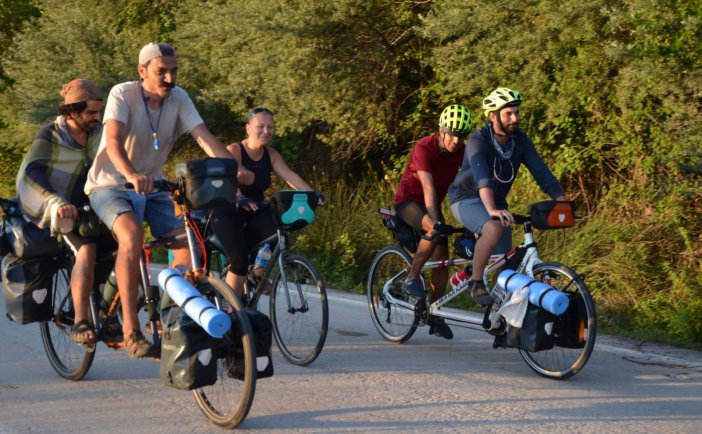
[115, 345]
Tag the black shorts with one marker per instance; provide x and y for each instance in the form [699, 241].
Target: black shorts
[412, 213]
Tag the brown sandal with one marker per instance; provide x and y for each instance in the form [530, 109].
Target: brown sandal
[137, 346]
[87, 331]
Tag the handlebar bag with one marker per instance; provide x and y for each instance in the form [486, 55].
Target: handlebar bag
[552, 214]
[294, 209]
[27, 288]
[263, 341]
[188, 356]
[209, 182]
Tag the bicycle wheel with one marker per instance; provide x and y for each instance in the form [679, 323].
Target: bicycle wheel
[69, 360]
[299, 310]
[560, 362]
[389, 268]
[228, 401]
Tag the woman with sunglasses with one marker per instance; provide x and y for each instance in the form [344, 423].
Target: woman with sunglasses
[236, 228]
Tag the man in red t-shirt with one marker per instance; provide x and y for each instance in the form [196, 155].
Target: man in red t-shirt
[432, 167]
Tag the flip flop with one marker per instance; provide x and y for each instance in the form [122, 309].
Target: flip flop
[82, 328]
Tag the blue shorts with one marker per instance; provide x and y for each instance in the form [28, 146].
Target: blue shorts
[156, 208]
[473, 215]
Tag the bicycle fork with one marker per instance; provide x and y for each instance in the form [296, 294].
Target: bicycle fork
[284, 278]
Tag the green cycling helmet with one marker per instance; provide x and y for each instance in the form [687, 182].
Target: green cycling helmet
[501, 97]
[456, 120]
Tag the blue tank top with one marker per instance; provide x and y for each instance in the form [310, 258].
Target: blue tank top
[262, 174]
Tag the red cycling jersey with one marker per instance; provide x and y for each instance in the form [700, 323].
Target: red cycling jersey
[426, 156]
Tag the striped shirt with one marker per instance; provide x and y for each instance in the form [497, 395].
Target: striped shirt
[54, 171]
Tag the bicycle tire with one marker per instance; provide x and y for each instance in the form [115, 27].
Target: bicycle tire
[394, 323]
[227, 402]
[559, 362]
[69, 360]
[299, 327]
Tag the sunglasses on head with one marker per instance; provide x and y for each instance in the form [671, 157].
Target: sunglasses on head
[256, 111]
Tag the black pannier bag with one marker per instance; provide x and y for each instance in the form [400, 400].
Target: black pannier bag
[26, 240]
[27, 288]
[209, 182]
[263, 341]
[188, 356]
[571, 327]
[536, 333]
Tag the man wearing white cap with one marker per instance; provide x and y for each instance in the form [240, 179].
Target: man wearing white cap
[142, 121]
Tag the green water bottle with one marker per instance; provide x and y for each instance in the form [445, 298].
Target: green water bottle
[109, 290]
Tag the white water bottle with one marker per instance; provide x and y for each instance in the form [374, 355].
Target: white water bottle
[262, 258]
[459, 279]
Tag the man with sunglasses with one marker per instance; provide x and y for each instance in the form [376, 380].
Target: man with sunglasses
[432, 166]
[142, 121]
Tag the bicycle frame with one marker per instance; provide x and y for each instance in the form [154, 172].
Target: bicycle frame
[526, 266]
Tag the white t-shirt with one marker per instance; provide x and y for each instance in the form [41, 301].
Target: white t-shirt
[126, 105]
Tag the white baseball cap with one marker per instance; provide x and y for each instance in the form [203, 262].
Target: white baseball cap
[153, 50]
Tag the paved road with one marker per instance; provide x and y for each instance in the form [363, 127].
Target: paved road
[362, 383]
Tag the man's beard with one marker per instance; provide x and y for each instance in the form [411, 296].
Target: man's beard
[86, 126]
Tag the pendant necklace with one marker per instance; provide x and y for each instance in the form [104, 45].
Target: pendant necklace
[154, 131]
[494, 171]
[503, 153]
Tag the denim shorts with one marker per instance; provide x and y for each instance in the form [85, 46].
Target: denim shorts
[156, 208]
[473, 215]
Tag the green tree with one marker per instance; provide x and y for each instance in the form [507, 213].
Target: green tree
[96, 40]
[13, 14]
[613, 101]
[344, 73]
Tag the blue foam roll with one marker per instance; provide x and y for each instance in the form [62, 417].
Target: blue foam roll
[205, 314]
[547, 297]
[540, 294]
[511, 280]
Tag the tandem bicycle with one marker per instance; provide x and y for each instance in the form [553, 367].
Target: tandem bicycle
[572, 336]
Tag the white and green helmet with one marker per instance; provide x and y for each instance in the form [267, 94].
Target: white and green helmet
[456, 120]
[501, 97]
